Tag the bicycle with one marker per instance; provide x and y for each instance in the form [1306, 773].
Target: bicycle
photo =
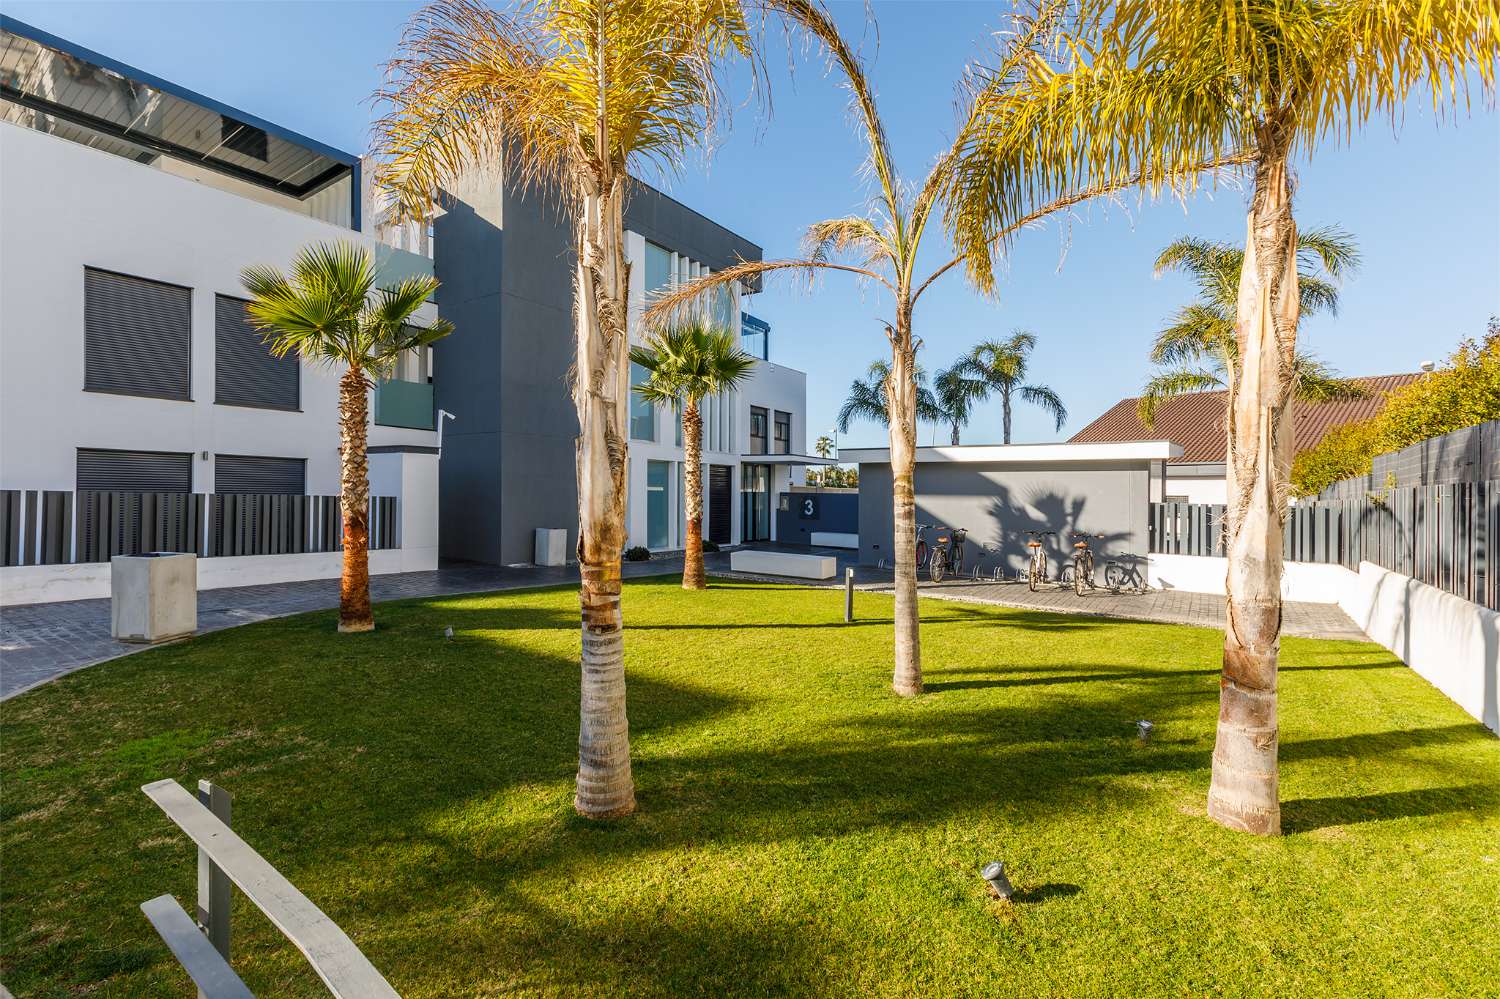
[1036, 571]
[1083, 561]
[949, 554]
[922, 551]
[1120, 575]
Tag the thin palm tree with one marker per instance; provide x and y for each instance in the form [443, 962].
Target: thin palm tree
[868, 399]
[1199, 351]
[686, 364]
[1002, 365]
[881, 247]
[823, 448]
[569, 96]
[1155, 86]
[328, 311]
[959, 389]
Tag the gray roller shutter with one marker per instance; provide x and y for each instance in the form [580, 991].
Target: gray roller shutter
[137, 336]
[245, 373]
[238, 473]
[135, 471]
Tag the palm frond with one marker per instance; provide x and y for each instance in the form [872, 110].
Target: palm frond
[690, 361]
[1317, 382]
[1048, 400]
[681, 302]
[1169, 385]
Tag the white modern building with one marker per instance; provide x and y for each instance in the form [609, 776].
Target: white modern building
[128, 208]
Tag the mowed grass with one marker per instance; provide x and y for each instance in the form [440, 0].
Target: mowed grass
[800, 830]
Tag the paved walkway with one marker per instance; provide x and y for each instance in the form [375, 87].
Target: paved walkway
[39, 642]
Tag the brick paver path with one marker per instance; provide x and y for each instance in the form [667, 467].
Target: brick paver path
[39, 642]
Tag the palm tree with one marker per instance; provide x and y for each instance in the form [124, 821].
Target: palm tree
[1199, 349]
[1001, 364]
[688, 363]
[329, 311]
[868, 399]
[823, 448]
[881, 247]
[569, 96]
[1155, 86]
[958, 389]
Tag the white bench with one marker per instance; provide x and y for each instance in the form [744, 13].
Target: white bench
[834, 539]
[784, 564]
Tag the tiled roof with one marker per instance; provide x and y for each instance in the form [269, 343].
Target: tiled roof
[1195, 421]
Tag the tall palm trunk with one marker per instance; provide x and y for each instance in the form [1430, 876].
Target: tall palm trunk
[692, 485]
[354, 495]
[1244, 792]
[902, 391]
[601, 394]
[1005, 408]
[954, 435]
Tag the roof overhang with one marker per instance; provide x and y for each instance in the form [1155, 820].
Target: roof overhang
[1025, 454]
[786, 459]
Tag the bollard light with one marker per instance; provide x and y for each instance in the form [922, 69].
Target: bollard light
[994, 873]
[448, 633]
[1143, 729]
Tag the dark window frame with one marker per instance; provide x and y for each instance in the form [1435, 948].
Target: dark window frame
[126, 392]
[296, 360]
[763, 437]
[783, 444]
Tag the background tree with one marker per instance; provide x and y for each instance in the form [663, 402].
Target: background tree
[1001, 365]
[881, 247]
[823, 448]
[688, 363]
[869, 399]
[1153, 87]
[1199, 351]
[958, 390]
[328, 311]
[569, 96]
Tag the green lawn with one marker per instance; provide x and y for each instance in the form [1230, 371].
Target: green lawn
[801, 830]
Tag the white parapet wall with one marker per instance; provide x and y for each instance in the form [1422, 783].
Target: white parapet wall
[1302, 582]
[1451, 642]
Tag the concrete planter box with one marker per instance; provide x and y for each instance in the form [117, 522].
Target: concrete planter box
[153, 596]
[551, 546]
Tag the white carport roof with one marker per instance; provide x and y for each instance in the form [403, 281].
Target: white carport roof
[1024, 454]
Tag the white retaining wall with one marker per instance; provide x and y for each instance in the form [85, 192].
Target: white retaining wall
[1452, 643]
[1304, 582]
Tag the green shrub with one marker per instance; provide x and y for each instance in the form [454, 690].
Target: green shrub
[637, 554]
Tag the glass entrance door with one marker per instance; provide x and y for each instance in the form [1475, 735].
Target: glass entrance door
[755, 500]
[657, 521]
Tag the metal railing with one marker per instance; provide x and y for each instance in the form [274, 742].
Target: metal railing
[225, 862]
[1437, 534]
[46, 527]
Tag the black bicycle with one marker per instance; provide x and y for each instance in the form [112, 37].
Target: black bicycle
[1120, 574]
[948, 555]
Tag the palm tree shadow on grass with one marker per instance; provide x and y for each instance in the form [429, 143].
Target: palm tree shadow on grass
[1307, 814]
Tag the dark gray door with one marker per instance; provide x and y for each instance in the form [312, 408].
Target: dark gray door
[719, 499]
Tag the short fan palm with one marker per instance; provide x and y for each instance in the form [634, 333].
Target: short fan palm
[1199, 350]
[687, 364]
[329, 311]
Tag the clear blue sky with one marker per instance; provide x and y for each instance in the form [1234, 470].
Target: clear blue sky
[1425, 206]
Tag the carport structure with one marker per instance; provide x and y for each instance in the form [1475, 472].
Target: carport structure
[999, 492]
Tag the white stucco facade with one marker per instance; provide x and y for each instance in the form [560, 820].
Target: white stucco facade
[65, 207]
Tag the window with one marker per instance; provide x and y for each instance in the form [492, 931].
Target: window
[238, 473]
[658, 268]
[757, 430]
[657, 474]
[134, 471]
[245, 373]
[783, 432]
[137, 336]
[642, 413]
[244, 139]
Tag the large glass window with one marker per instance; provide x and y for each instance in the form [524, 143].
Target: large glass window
[658, 268]
[783, 433]
[755, 502]
[658, 474]
[642, 413]
[758, 419]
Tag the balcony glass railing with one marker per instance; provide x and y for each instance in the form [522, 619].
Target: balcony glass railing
[404, 404]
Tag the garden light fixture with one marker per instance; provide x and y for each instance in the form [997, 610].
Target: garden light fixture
[994, 873]
[1143, 729]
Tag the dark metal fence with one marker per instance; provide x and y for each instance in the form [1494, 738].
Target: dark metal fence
[44, 527]
[1437, 534]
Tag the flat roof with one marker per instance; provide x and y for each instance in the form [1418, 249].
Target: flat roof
[134, 114]
[1023, 454]
[785, 459]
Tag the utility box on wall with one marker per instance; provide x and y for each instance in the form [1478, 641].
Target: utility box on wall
[153, 596]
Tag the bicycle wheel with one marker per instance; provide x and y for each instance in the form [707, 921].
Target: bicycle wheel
[1080, 575]
[1114, 576]
[921, 554]
[1033, 575]
[939, 565]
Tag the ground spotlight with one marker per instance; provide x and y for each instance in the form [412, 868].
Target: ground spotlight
[1143, 729]
[994, 873]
